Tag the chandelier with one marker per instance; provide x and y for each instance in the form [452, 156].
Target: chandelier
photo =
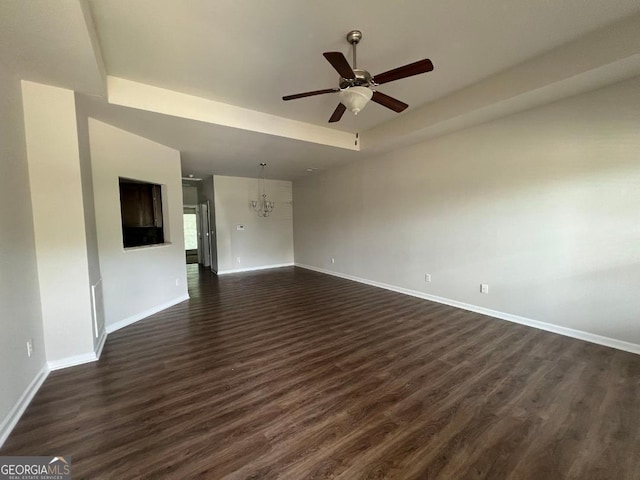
[262, 206]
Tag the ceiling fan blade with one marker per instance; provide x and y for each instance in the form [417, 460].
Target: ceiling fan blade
[416, 68]
[337, 113]
[389, 102]
[310, 94]
[339, 62]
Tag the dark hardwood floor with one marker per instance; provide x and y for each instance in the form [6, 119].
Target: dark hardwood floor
[293, 374]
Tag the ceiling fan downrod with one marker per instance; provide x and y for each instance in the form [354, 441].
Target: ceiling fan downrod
[354, 37]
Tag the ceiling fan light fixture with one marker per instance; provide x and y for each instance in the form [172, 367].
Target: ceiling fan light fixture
[355, 98]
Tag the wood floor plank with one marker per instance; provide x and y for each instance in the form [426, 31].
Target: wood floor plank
[292, 374]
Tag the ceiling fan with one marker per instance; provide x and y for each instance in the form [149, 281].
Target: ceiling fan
[356, 86]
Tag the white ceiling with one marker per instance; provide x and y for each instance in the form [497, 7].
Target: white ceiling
[207, 149]
[50, 42]
[249, 54]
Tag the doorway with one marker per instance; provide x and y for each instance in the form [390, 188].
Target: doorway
[189, 218]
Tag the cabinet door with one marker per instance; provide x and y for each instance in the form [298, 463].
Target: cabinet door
[138, 205]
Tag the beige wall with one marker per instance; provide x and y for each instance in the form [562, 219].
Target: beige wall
[264, 242]
[138, 281]
[189, 195]
[59, 222]
[543, 206]
[95, 276]
[20, 314]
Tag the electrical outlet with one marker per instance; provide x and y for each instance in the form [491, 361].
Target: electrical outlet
[333, 260]
[29, 347]
[427, 277]
[238, 260]
[484, 288]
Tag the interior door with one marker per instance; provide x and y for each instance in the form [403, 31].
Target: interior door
[199, 234]
[204, 249]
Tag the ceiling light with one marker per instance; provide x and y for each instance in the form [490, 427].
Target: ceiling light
[355, 98]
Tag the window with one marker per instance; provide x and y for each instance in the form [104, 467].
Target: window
[141, 209]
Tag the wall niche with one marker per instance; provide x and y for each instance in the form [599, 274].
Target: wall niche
[141, 210]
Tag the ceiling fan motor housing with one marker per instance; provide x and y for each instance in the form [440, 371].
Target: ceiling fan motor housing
[363, 79]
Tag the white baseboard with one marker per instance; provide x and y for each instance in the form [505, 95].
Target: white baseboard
[264, 267]
[549, 327]
[101, 341]
[10, 421]
[72, 361]
[139, 316]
